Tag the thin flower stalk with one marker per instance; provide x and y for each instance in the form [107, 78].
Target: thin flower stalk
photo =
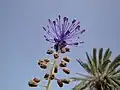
[51, 72]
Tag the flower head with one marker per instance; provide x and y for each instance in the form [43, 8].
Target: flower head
[63, 33]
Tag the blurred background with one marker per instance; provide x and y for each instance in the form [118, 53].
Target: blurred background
[22, 43]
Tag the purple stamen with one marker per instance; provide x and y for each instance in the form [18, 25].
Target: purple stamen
[62, 33]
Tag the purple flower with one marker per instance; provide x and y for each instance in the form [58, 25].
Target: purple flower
[62, 33]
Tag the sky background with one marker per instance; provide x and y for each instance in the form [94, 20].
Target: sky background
[22, 43]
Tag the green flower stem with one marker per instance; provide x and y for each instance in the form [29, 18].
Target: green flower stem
[51, 72]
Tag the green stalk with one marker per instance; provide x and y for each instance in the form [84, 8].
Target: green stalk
[51, 72]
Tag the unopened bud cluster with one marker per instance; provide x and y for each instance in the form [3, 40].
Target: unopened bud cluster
[60, 82]
[34, 82]
[43, 64]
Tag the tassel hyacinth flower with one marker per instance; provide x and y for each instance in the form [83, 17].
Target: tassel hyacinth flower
[62, 33]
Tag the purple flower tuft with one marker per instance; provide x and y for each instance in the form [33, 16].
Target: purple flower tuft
[62, 33]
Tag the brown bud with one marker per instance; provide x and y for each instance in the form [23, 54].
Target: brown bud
[46, 76]
[32, 83]
[66, 81]
[37, 80]
[59, 82]
[52, 76]
[66, 70]
[40, 61]
[56, 56]
[66, 59]
[63, 64]
[50, 51]
[43, 65]
[55, 69]
[63, 50]
[46, 61]
[67, 49]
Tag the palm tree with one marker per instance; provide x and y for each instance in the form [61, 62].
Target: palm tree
[103, 73]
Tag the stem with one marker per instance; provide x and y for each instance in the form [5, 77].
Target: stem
[51, 72]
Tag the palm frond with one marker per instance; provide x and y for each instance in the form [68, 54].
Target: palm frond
[116, 76]
[107, 55]
[114, 64]
[85, 85]
[90, 63]
[78, 87]
[82, 85]
[89, 60]
[116, 72]
[94, 57]
[117, 82]
[104, 65]
[78, 79]
[85, 66]
[104, 74]
[86, 76]
[114, 84]
[100, 56]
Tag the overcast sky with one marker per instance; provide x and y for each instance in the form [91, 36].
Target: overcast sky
[22, 43]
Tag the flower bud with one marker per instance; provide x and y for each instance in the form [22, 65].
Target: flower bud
[50, 51]
[46, 76]
[67, 49]
[66, 59]
[63, 64]
[37, 80]
[59, 82]
[46, 61]
[43, 65]
[55, 69]
[63, 50]
[52, 77]
[40, 61]
[66, 81]
[56, 56]
[66, 70]
[32, 83]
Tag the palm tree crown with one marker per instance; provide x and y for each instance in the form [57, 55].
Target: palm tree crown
[103, 73]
